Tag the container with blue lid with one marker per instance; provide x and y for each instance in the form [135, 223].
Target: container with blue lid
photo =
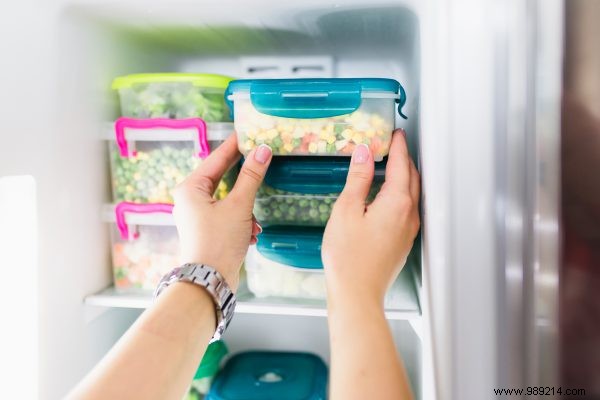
[286, 262]
[315, 116]
[262, 375]
[301, 192]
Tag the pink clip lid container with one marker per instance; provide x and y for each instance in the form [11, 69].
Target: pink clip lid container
[149, 157]
[145, 246]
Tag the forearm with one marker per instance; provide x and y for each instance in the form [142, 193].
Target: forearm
[364, 359]
[158, 356]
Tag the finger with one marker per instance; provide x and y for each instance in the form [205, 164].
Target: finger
[397, 171]
[360, 177]
[251, 176]
[206, 177]
[256, 228]
[415, 183]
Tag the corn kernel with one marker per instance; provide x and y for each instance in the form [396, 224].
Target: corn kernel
[357, 138]
[261, 137]
[347, 133]
[370, 133]
[272, 134]
[312, 148]
[379, 132]
[251, 133]
[341, 144]
[331, 139]
[249, 145]
[288, 147]
[324, 134]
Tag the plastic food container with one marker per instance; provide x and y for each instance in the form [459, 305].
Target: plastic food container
[261, 375]
[145, 245]
[286, 262]
[173, 95]
[315, 116]
[150, 157]
[302, 192]
[209, 366]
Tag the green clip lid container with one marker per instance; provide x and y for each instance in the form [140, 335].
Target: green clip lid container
[211, 361]
[316, 116]
[173, 95]
[262, 375]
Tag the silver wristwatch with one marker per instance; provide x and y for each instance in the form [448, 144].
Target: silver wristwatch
[215, 285]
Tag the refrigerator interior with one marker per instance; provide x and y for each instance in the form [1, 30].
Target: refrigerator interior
[90, 43]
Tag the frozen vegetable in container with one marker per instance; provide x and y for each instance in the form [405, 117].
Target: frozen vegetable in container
[262, 375]
[145, 245]
[302, 192]
[205, 374]
[286, 262]
[149, 157]
[315, 116]
[173, 95]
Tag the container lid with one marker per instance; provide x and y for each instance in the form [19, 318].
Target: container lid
[313, 97]
[298, 247]
[212, 360]
[208, 80]
[313, 175]
[262, 375]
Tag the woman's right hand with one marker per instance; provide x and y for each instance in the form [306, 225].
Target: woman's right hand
[365, 246]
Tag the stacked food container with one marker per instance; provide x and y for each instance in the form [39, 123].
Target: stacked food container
[311, 118]
[169, 123]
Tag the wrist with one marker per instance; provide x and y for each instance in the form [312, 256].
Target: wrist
[348, 299]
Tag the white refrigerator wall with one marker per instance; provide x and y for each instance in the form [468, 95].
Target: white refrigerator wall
[59, 58]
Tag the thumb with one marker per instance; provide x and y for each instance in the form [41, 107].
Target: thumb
[251, 175]
[359, 178]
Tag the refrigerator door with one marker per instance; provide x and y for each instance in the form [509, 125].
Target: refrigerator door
[490, 140]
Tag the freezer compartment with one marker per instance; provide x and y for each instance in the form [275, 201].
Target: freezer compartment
[144, 244]
[315, 116]
[150, 157]
[173, 95]
[302, 192]
[257, 375]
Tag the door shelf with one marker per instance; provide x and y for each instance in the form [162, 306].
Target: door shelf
[402, 303]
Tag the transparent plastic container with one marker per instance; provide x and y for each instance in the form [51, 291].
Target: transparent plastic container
[302, 192]
[262, 375]
[150, 157]
[173, 95]
[145, 245]
[315, 116]
[286, 262]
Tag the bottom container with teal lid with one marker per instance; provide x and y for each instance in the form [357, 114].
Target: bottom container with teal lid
[301, 192]
[209, 366]
[264, 375]
[286, 262]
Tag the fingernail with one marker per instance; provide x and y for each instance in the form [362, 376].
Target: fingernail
[263, 153]
[361, 154]
[403, 132]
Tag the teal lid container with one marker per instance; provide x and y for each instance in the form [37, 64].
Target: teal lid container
[261, 375]
[313, 175]
[313, 97]
[298, 247]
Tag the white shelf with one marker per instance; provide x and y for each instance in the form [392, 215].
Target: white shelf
[402, 302]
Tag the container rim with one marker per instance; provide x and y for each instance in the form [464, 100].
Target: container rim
[208, 80]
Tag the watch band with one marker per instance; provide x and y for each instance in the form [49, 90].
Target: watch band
[215, 285]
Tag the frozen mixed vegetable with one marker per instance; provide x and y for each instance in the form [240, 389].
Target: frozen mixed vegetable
[157, 167]
[140, 264]
[173, 100]
[319, 136]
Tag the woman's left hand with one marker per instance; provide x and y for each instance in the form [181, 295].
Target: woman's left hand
[218, 233]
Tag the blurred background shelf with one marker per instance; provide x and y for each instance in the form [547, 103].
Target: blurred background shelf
[402, 302]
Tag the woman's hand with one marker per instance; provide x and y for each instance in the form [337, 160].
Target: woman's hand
[365, 247]
[218, 233]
